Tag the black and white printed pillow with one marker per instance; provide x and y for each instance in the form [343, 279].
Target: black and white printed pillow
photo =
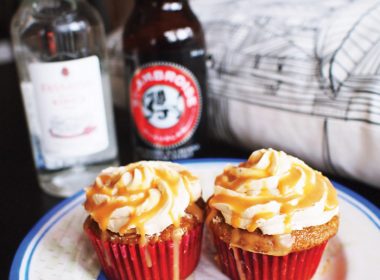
[302, 76]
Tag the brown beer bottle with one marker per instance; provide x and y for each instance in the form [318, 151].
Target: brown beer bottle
[164, 52]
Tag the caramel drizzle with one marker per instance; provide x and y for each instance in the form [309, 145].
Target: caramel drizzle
[176, 266]
[148, 258]
[239, 264]
[105, 184]
[235, 178]
[282, 243]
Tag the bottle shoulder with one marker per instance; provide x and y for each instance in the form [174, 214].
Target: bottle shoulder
[167, 30]
[27, 19]
[56, 33]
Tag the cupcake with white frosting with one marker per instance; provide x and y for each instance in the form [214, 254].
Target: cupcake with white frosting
[145, 220]
[272, 215]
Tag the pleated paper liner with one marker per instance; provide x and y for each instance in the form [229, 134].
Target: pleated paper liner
[240, 264]
[152, 261]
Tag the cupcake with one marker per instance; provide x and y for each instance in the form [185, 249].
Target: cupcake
[145, 221]
[271, 217]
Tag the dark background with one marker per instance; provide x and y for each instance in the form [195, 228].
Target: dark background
[113, 13]
[22, 202]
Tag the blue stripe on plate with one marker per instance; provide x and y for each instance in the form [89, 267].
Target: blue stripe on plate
[359, 202]
[56, 220]
[16, 264]
[101, 276]
[374, 209]
[209, 160]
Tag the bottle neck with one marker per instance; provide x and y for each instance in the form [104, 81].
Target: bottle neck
[163, 5]
[53, 8]
[160, 1]
[51, 2]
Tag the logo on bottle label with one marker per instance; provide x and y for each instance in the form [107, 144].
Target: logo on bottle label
[165, 104]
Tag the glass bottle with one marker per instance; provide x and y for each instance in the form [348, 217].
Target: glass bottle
[164, 49]
[60, 52]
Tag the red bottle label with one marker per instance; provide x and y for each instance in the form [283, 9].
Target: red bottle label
[165, 104]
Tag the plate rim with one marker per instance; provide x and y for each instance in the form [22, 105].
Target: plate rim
[20, 252]
[353, 198]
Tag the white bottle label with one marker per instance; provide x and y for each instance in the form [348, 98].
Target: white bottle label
[70, 107]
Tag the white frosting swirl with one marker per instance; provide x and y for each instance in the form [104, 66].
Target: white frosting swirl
[274, 192]
[147, 196]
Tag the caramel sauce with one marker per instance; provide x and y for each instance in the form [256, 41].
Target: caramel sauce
[287, 208]
[246, 241]
[239, 178]
[212, 213]
[104, 211]
[265, 215]
[114, 180]
[148, 258]
[288, 223]
[238, 183]
[176, 240]
[252, 160]
[273, 167]
[187, 174]
[287, 182]
[104, 180]
[239, 264]
[332, 197]
[134, 195]
[286, 241]
[240, 204]
[171, 180]
[175, 220]
[235, 220]
[136, 201]
[100, 190]
[196, 211]
[276, 245]
[138, 221]
[187, 187]
[235, 236]
[143, 176]
[143, 239]
[176, 260]
[265, 192]
[244, 172]
[312, 195]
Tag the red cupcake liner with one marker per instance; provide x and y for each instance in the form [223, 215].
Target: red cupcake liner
[152, 261]
[240, 264]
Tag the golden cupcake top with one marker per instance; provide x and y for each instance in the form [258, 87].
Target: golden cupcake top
[274, 192]
[147, 196]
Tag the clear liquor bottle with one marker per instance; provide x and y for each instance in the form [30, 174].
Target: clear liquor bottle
[60, 52]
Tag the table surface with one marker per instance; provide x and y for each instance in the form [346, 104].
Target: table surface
[22, 202]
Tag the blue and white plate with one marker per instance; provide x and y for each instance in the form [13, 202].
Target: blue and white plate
[56, 247]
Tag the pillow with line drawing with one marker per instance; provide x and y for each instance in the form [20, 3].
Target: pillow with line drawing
[301, 76]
